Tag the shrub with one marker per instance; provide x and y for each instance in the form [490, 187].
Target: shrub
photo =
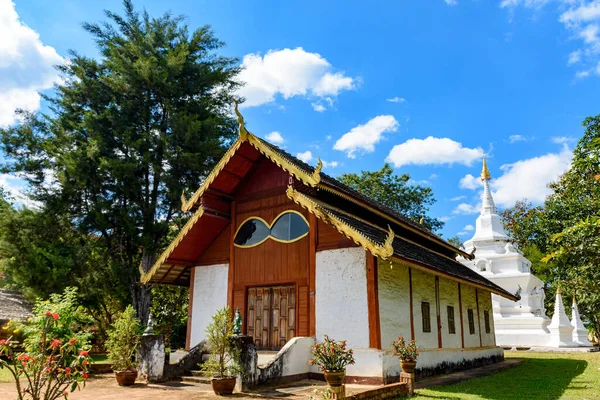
[331, 355]
[50, 367]
[224, 356]
[123, 340]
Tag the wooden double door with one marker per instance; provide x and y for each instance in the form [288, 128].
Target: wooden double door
[271, 315]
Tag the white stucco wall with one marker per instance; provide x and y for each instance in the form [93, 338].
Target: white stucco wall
[468, 302]
[394, 302]
[449, 297]
[424, 290]
[210, 294]
[341, 306]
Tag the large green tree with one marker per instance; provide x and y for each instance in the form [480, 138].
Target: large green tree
[128, 132]
[572, 213]
[396, 192]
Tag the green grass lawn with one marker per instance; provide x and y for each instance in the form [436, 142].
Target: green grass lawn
[5, 376]
[539, 376]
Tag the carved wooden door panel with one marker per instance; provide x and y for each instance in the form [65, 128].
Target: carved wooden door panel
[271, 316]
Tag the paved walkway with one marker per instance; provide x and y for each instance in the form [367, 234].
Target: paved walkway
[104, 387]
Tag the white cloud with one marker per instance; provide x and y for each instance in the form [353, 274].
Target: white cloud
[328, 137]
[331, 164]
[465, 208]
[396, 100]
[445, 218]
[331, 84]
[562, 139]
[462, 233]
[581, 18]
[365, 137]
[469, 228]
[306, 156]
[433, 176]
[26, 65]
[469, 182]
[289, 73]
[318, 107]
[275, 137]
[517, 138]
[433, 151]
[529, 178]
[458, 198]
[451, 2]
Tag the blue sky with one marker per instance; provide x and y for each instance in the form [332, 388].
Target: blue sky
[429, 85]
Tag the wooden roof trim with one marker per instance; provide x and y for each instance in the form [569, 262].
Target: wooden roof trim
[146, 276]
[383, 251]
[394, 220]
[383, 230]
[310, 179]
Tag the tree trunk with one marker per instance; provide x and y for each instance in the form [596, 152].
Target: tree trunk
[141, 293]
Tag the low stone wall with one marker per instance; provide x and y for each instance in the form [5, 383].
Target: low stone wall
[392, 391]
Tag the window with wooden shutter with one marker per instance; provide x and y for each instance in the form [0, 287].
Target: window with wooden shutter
[451, 324]
[426, 316]
[486, 317]
[471, 321]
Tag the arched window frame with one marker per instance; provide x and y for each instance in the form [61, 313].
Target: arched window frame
[270, 226]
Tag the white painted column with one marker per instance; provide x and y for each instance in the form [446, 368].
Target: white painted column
[210, 294]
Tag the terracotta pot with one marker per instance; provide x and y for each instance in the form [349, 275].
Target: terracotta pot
[223, 386]
[126, 378]
[408, 366]
[335, 378]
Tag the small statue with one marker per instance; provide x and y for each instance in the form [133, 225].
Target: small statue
[237, 322]
[150, 328]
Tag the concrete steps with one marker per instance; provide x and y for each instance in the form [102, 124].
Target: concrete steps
[196, 379]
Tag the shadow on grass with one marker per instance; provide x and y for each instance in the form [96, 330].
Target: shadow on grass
[532, 379]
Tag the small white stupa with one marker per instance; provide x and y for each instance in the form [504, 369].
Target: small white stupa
[580, 334]
[561, 330]
[518, 324]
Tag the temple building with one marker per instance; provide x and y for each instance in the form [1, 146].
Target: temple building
[302, 255]
[520, 323]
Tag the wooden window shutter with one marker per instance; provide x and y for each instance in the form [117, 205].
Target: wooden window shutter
[486, 317]
[471, 321]
[451, 323]
[426, 316]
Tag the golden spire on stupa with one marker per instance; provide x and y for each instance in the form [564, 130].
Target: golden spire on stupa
[485, 172]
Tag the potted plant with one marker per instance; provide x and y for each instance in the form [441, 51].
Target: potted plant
[222, 365]
[122, 344]
[407, 353]
[332, 357]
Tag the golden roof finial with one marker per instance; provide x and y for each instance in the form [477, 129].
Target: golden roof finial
[388, 245]
[317, 172]
[485, 172]
[422, 220]
[183, 201]
[558, 291]
[242, 128]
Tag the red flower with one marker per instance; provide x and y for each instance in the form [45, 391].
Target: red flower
[68, 371]
[72, 341]
[2, 342]
[84, 376]
[55, 343]
[48, 314]
[55, 316]
[83, 353]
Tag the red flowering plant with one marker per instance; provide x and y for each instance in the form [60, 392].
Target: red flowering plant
[331, 355]
[406, 352]
[50, 369]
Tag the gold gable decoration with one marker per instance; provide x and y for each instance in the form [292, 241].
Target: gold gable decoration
[310, 179]
[383, 251]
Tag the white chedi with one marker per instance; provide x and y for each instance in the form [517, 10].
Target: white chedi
[580, 333]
